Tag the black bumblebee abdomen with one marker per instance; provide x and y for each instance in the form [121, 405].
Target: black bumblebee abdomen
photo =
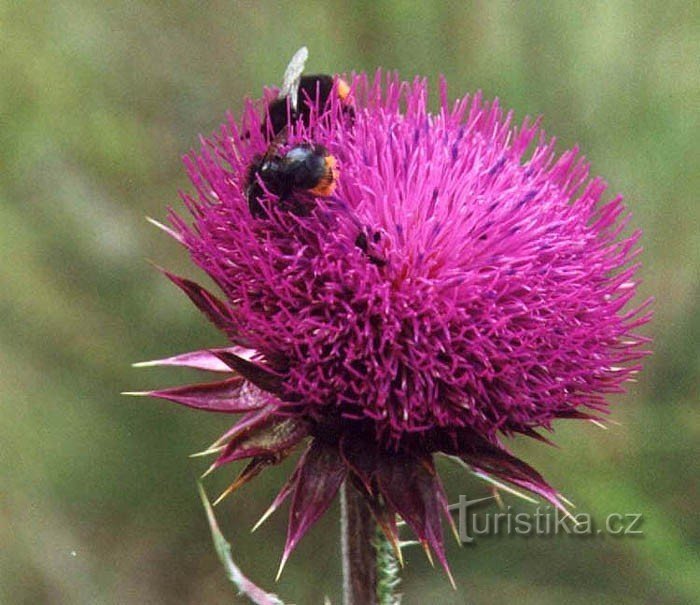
[304, 169]
[304, 166]
[312, 88]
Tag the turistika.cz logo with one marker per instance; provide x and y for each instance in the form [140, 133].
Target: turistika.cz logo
[542, 521]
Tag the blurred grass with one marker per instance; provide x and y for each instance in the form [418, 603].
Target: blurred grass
[97, 103]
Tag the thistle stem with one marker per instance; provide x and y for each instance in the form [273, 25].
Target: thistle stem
[388, 577]
[358, 531]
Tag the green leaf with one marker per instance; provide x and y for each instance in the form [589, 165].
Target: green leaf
[223, 549]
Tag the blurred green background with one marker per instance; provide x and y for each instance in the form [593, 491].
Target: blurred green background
[98, 101]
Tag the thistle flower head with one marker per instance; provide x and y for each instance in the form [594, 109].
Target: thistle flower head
[462, 282]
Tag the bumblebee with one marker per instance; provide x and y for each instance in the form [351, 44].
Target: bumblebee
[303, 171]
[302, 92]
[312, 87]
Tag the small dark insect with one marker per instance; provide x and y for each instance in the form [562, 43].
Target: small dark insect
[304, 169]
[367, 244]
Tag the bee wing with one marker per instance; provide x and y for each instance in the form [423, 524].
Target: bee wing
[292, 76]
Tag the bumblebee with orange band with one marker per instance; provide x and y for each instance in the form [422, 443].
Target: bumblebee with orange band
[311, 88]
[306, 168]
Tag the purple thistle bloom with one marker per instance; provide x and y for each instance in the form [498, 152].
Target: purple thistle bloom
[462, 283]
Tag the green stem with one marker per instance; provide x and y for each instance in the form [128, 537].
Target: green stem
[387, 571]
[358, 531]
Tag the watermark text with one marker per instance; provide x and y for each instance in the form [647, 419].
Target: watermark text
[474, 522]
